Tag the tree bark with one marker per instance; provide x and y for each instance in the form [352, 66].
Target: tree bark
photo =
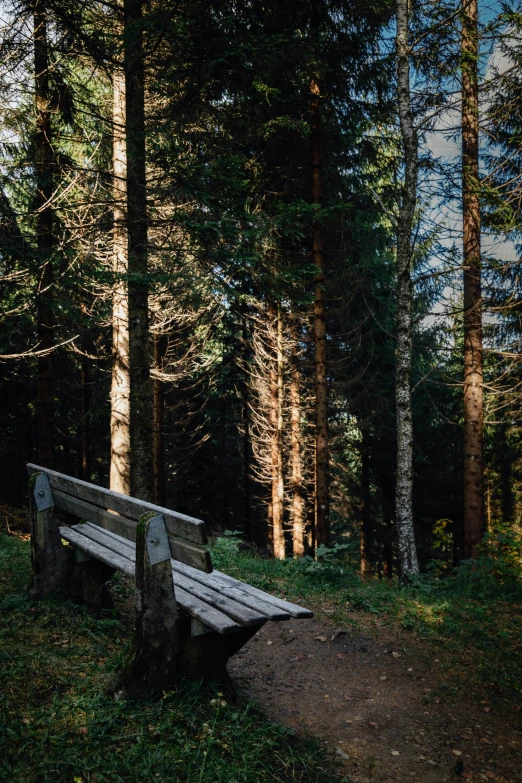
[404, 486]
[247, 446]
[322, 504]
[158, 448]
[296, 456]
[44, 238]
[474, 519]
[276, 417]
[364, 536]
[141, 467]
[120, 386]
[270, 524]
[507, 461]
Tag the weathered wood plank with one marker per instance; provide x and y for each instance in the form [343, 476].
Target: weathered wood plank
[237, 611]
[292, 609]
[119, 562]
[194, 606]
[105, 538]
[217, 620]
[177, 524]
[191, 554]
[185, 579]
[261, 606]
[87, 511]
[186, 552]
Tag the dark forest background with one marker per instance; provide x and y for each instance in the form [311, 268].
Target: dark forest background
[232, 217]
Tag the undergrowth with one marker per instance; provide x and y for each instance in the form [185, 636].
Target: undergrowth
[59, 724]
[471, 618]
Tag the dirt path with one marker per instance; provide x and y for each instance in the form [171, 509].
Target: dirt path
[376, 705]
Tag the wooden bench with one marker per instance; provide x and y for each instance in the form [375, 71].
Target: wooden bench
[189, 618]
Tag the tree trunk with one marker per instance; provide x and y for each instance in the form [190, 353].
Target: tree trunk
[141, 467]
[120, 387]
[387, 566]
[44, 239]
[364, 537]
[404, 486]
[158, 448]
[322, 504]
[270, 524]
[296, 456]
[474, 521]
[247, 447]
[507, 461]
[276, 420]
[386, 528]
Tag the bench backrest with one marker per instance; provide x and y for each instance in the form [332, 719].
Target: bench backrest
[120, 514]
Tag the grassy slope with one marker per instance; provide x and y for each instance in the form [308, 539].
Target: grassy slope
[57, 723]
[57, 660]
[477, 639]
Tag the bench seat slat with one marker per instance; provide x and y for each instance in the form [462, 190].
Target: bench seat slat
[206, 593]
[208, 615]
[97, 550]
[194, 606]
[237, 611]
[177, 524]
[292, 609]
[108, 538]
[261, 605]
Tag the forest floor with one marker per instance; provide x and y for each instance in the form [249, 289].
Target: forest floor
[420, 685]
[383, 703]
[383, 685]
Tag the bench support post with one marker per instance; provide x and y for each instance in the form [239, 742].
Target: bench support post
[154, 660]
[207, 655]
[88, 586]
[52, 563]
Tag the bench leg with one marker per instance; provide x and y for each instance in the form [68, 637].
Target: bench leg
[154, 660]
[52, 562]
[206, 655]
[88, 584]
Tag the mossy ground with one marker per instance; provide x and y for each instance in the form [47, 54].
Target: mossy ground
[59, 723]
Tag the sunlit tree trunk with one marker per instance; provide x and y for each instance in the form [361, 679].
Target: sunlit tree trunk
[44, 238]
[247, 446]
[276, 417]
[322, 504]
[474, 519]
[270, 523]
[296, 455]
[404, 485]
[120, 386]
[141, 467]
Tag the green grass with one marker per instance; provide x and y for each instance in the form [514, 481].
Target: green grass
[59, 723]
[471, 621]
